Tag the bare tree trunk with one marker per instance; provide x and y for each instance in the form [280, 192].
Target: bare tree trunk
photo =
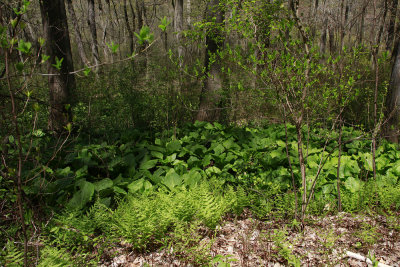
[211, 93]
[141, 17]
[324, 37]
[343, 23]
[93, 31]
[380, 30]
[189, 10]
[178, 27]
[393, 101]
[78, 36]
[392, 21]
[128, 27]
[362, 22]
[332, 47]
[62, 84]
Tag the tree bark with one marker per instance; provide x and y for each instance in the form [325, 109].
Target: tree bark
[362, 22]
[393, 101]
[78, 35]
[61, 82]
[178, 27]
[93, 31]
[128, 27]
[392, 21]
[211, 92]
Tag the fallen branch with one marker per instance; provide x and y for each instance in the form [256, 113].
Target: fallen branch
[364, 259]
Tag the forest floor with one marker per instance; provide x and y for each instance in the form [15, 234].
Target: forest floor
[325, 241]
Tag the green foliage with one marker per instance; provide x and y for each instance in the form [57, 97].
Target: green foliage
[58, 63]
[164, 24]
[55, 257]
[11, 255]
[144, 35]
[284, 248]
[188, 245]
[146, 218]
[113, 47]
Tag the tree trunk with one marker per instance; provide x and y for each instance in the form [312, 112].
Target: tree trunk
[362, 22]
[393, 101]
[323, 37]
[188, 8]
[93, 31]
[128, 27]
[178, 27]
[78, 36]
[141, 16]
[211, 93]
[380, 30]
[62, 83]
[392, 21]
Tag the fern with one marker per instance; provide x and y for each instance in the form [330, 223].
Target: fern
[55, 257]
[12, 255]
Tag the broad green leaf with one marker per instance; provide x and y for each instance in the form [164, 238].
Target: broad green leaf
[173, 146]
[24, 47]
[352, 184]
[192, 178]
[213, 170]
[172, 179]
[157, 154]
[103, 184]
[83, 196]
[219, 149]
[146, 165]
[136, 185]
[119, 190]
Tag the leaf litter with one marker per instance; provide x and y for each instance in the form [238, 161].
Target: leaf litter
[325, 241]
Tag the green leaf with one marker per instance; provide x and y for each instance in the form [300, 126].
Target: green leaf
[164, 24]
[119, 190]
[86, 71]
[219, 149]
[19, 66]
[103, 184]
[83, 196]
[58, 63]
[113, 47]
[192, 178]
[213, 170]
[44, 58]
[172, 179]
[157, 154]
[136, 185]
[174, 146]
[352, 184]
[148, 164]
[24, 47]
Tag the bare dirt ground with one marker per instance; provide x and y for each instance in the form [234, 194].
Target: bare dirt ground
[324, 241]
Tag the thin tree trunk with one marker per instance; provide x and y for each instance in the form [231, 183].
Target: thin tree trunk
[393, 100]
[332, 47]
[78, 36]
[211, 92]
[93, 31]
[362, 23]
[324, 37]
[62, 84]
[380, 30]
[178, 27]
[391, 26]
[302, 170]
[189, 10]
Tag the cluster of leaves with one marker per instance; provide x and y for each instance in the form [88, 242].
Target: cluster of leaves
[251, 157]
